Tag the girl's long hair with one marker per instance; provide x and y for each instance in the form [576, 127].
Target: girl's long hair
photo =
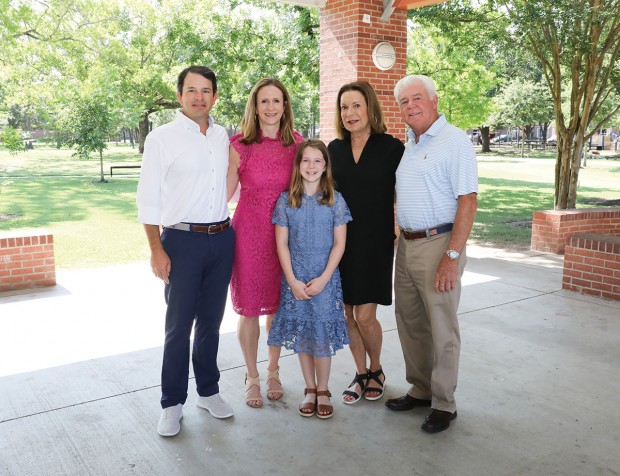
[250, 125]
[326, 184]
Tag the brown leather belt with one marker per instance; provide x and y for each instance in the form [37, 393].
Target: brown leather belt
[210, 229]
[416, 235]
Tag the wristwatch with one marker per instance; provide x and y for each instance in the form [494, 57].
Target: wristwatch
[453, 254]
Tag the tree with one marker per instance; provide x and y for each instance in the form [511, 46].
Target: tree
[134, 50]
[577, 45]
[88, 127]
[523, 103]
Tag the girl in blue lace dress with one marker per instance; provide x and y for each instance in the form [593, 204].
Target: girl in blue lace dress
[311, 232]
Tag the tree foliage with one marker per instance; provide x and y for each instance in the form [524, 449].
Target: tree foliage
[576, 45]
[12, 140]
[464, 81]
[131, 52]
[524, 104]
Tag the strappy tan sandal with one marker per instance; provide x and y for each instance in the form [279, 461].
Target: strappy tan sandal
[308, 409]
[252, 402]
[273, 378]
[324, 411]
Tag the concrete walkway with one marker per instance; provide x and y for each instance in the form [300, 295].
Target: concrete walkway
[538, 391]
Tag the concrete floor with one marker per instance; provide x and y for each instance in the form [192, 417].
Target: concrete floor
[538, 389]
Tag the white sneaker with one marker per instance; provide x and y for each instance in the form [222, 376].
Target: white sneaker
[170, 420]
[215, 405]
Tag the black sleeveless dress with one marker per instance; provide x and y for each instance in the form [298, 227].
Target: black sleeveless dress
[368, 188]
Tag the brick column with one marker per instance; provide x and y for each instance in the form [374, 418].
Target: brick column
[346, 55]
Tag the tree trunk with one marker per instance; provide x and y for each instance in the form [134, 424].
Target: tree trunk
[143, 130]
[567, 171]
[101, 164]
[486, 139]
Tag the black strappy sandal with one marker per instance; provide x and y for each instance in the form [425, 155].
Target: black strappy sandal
[361, 381]
[375, 376]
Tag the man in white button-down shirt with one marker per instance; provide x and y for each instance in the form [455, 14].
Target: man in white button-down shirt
[182, 189]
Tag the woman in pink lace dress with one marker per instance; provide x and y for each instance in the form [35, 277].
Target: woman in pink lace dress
[261, 160]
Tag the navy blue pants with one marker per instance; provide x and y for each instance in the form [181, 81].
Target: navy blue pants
[196, 297]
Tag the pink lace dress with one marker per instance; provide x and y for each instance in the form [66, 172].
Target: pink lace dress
[264, 172]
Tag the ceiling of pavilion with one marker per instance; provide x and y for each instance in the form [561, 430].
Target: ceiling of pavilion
[388, 5]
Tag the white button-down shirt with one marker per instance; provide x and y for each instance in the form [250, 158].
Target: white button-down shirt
[183, 174]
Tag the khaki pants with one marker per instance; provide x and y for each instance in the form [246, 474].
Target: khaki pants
[427, 322]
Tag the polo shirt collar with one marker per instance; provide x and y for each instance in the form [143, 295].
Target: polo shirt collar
[188, 124]
[432, 131]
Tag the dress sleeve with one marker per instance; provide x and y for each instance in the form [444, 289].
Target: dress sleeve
[279, 212]
[242, 149]
[341, 211]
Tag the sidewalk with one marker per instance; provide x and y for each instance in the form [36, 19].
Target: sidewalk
[538, 387]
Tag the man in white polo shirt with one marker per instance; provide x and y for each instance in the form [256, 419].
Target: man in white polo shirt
[182, 187]
[436, 189]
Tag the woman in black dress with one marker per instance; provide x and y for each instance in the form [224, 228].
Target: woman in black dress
[364, 162]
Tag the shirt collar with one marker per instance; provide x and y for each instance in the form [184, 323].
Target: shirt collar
[188, 124]
[432, 131]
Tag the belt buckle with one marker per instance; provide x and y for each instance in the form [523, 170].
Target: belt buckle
[214, 227]
[430, 232]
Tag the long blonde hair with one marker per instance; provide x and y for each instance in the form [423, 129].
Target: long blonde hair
[326, 184]
[250, 126]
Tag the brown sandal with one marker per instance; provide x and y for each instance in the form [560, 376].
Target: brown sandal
[273, 377]
[324, 411]
[308, 409]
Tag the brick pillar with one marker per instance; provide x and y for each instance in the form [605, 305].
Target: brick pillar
[346, 55]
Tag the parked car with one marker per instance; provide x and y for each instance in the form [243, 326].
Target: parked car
[552, 140]
[501, 138]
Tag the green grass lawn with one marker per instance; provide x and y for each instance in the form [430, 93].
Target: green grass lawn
[94, 224]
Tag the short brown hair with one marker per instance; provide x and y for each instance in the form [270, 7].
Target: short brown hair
[201, 70]
[375, 114]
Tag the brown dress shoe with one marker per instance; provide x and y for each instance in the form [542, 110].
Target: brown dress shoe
[437, 421]
[406, 402]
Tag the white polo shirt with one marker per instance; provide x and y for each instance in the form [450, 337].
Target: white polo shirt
[183, 174]
[432, 175]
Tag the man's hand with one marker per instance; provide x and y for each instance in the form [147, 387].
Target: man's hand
[447, 272]
[160, 264]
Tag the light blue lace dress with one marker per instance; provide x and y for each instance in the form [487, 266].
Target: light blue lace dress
[314, 326]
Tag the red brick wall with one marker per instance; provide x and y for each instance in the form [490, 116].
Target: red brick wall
[592, 265]
[26, 260]
[346, 55]
[552, 228]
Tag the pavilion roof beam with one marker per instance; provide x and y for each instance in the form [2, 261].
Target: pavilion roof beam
[388, 9]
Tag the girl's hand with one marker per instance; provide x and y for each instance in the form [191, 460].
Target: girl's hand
[298, 289]
[315, 286]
